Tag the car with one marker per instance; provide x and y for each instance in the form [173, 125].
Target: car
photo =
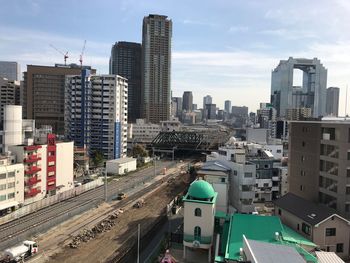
[121, 196]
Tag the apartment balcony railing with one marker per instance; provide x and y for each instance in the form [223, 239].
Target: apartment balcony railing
[32, 147]
[32, 158]
[32, 170]
[33, 180]
[32, 192]
[201, 239]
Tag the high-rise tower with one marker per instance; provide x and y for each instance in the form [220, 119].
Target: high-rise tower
[156, 64]
[125, 61]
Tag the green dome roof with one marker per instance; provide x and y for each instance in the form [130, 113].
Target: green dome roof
[201, 189]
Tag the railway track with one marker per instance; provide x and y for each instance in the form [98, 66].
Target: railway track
[13, 229]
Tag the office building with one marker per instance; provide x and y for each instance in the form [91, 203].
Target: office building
[43, 94]
[207, 100]
[319, 161]
[143, 132]
[285, 94]
[176, 106]
[332, 105]
[125, 61]
[187, 101]
[156, 70]
[194, 107]
[239, 111]
[210, 111]
[297, 114]
[228, 106]
[9, 95]
[96, 113]
[10, 70]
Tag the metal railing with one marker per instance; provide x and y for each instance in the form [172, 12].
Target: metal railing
[200, 239]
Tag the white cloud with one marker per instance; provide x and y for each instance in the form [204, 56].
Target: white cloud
[199, 23]
[234, 29]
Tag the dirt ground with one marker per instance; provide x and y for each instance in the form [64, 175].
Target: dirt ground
[106, 244]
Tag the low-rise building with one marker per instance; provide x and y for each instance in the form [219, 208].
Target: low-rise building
[121, 166]
[319, 223]
[143, 132]
[11, 183]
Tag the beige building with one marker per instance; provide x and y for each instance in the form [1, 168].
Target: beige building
[11, 183]
[319, 162]
[320, 224]
[199, 220]
[297, 114]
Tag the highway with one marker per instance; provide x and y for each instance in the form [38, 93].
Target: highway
[12, 232]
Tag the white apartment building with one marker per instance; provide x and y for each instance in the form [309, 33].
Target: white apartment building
[143, 132]
[96, 113]
[11, 183]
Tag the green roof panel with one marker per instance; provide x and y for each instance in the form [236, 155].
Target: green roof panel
[201, 189]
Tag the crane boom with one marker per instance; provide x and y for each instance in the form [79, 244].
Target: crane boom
[82, 53]
[65, 55]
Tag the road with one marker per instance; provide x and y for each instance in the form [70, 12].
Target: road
[15, 231]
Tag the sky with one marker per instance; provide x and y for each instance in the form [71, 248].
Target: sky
[224, 48]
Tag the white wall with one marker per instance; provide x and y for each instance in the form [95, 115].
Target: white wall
[64, 165]
[114, 167]
[18, 180]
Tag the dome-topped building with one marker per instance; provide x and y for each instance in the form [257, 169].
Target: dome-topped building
[201, 190]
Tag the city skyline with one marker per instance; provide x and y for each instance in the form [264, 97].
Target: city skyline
[246, 41]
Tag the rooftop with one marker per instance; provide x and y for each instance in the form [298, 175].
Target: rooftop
[310, 212]
[201, 189]
[122, 160]
[261, 228]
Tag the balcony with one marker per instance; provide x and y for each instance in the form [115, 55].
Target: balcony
[33, 180]
[32, 147]
[275, 178]
[32, 192]
[202, 240]
[32, 158]
[32, 170]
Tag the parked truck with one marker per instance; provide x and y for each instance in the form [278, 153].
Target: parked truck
[19, 253]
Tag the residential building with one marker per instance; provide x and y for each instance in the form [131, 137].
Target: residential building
[199, 210]
[187, 101]
[10, 70]
[48, 168]
[265, 115]
[228, 106]
[218, 175]
[207, 100]
[297, 114]
[252, 118]
[9, 95]
[156, 62]
[143, 132]
[43, 94]
[319, 162]
[321, 224]
[125, 61]
[332, 101]
[285, 94]
[96, 113]
[11, 183]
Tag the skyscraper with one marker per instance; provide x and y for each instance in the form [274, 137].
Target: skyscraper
[312, 92]
[125, 61]
[332, 105]
[43, 94]
[187, 101]
[228, 106]
[207, 100]
[9, 95]
[10, 70]
[156, 62]
[96, 113]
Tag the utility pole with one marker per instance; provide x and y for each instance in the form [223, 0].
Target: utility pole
[105, 174]
[138, 243]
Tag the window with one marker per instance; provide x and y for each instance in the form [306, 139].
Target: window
[2, 197]
[301, 187]
[279, 151]
[330, 232]
[11, 174]
[11, 185]
[340, 248]
[223, 180]
[248, 175]
[302, 173]
[2, 186]
[302, 158]
[347, 207]
[348, 155]
[279, 211]
[347, 172]
[303, 143]
[234, 172]
[305, 228]
[197, 212]
[2, 176]
[11, 195]
[197, 232]
[348, 190]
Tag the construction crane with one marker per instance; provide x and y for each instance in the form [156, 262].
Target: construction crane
[65, 55]
[81, 54]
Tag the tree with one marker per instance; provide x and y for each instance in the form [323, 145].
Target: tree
[97, 158]
[139, 151]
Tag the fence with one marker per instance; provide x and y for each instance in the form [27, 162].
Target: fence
[25, 210]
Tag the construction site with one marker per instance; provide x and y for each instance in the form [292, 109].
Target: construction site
[109, 233]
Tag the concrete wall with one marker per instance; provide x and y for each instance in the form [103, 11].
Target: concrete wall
[17, 180]
[64, 166]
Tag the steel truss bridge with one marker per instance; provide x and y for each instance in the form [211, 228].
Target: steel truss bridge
[190, 140]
